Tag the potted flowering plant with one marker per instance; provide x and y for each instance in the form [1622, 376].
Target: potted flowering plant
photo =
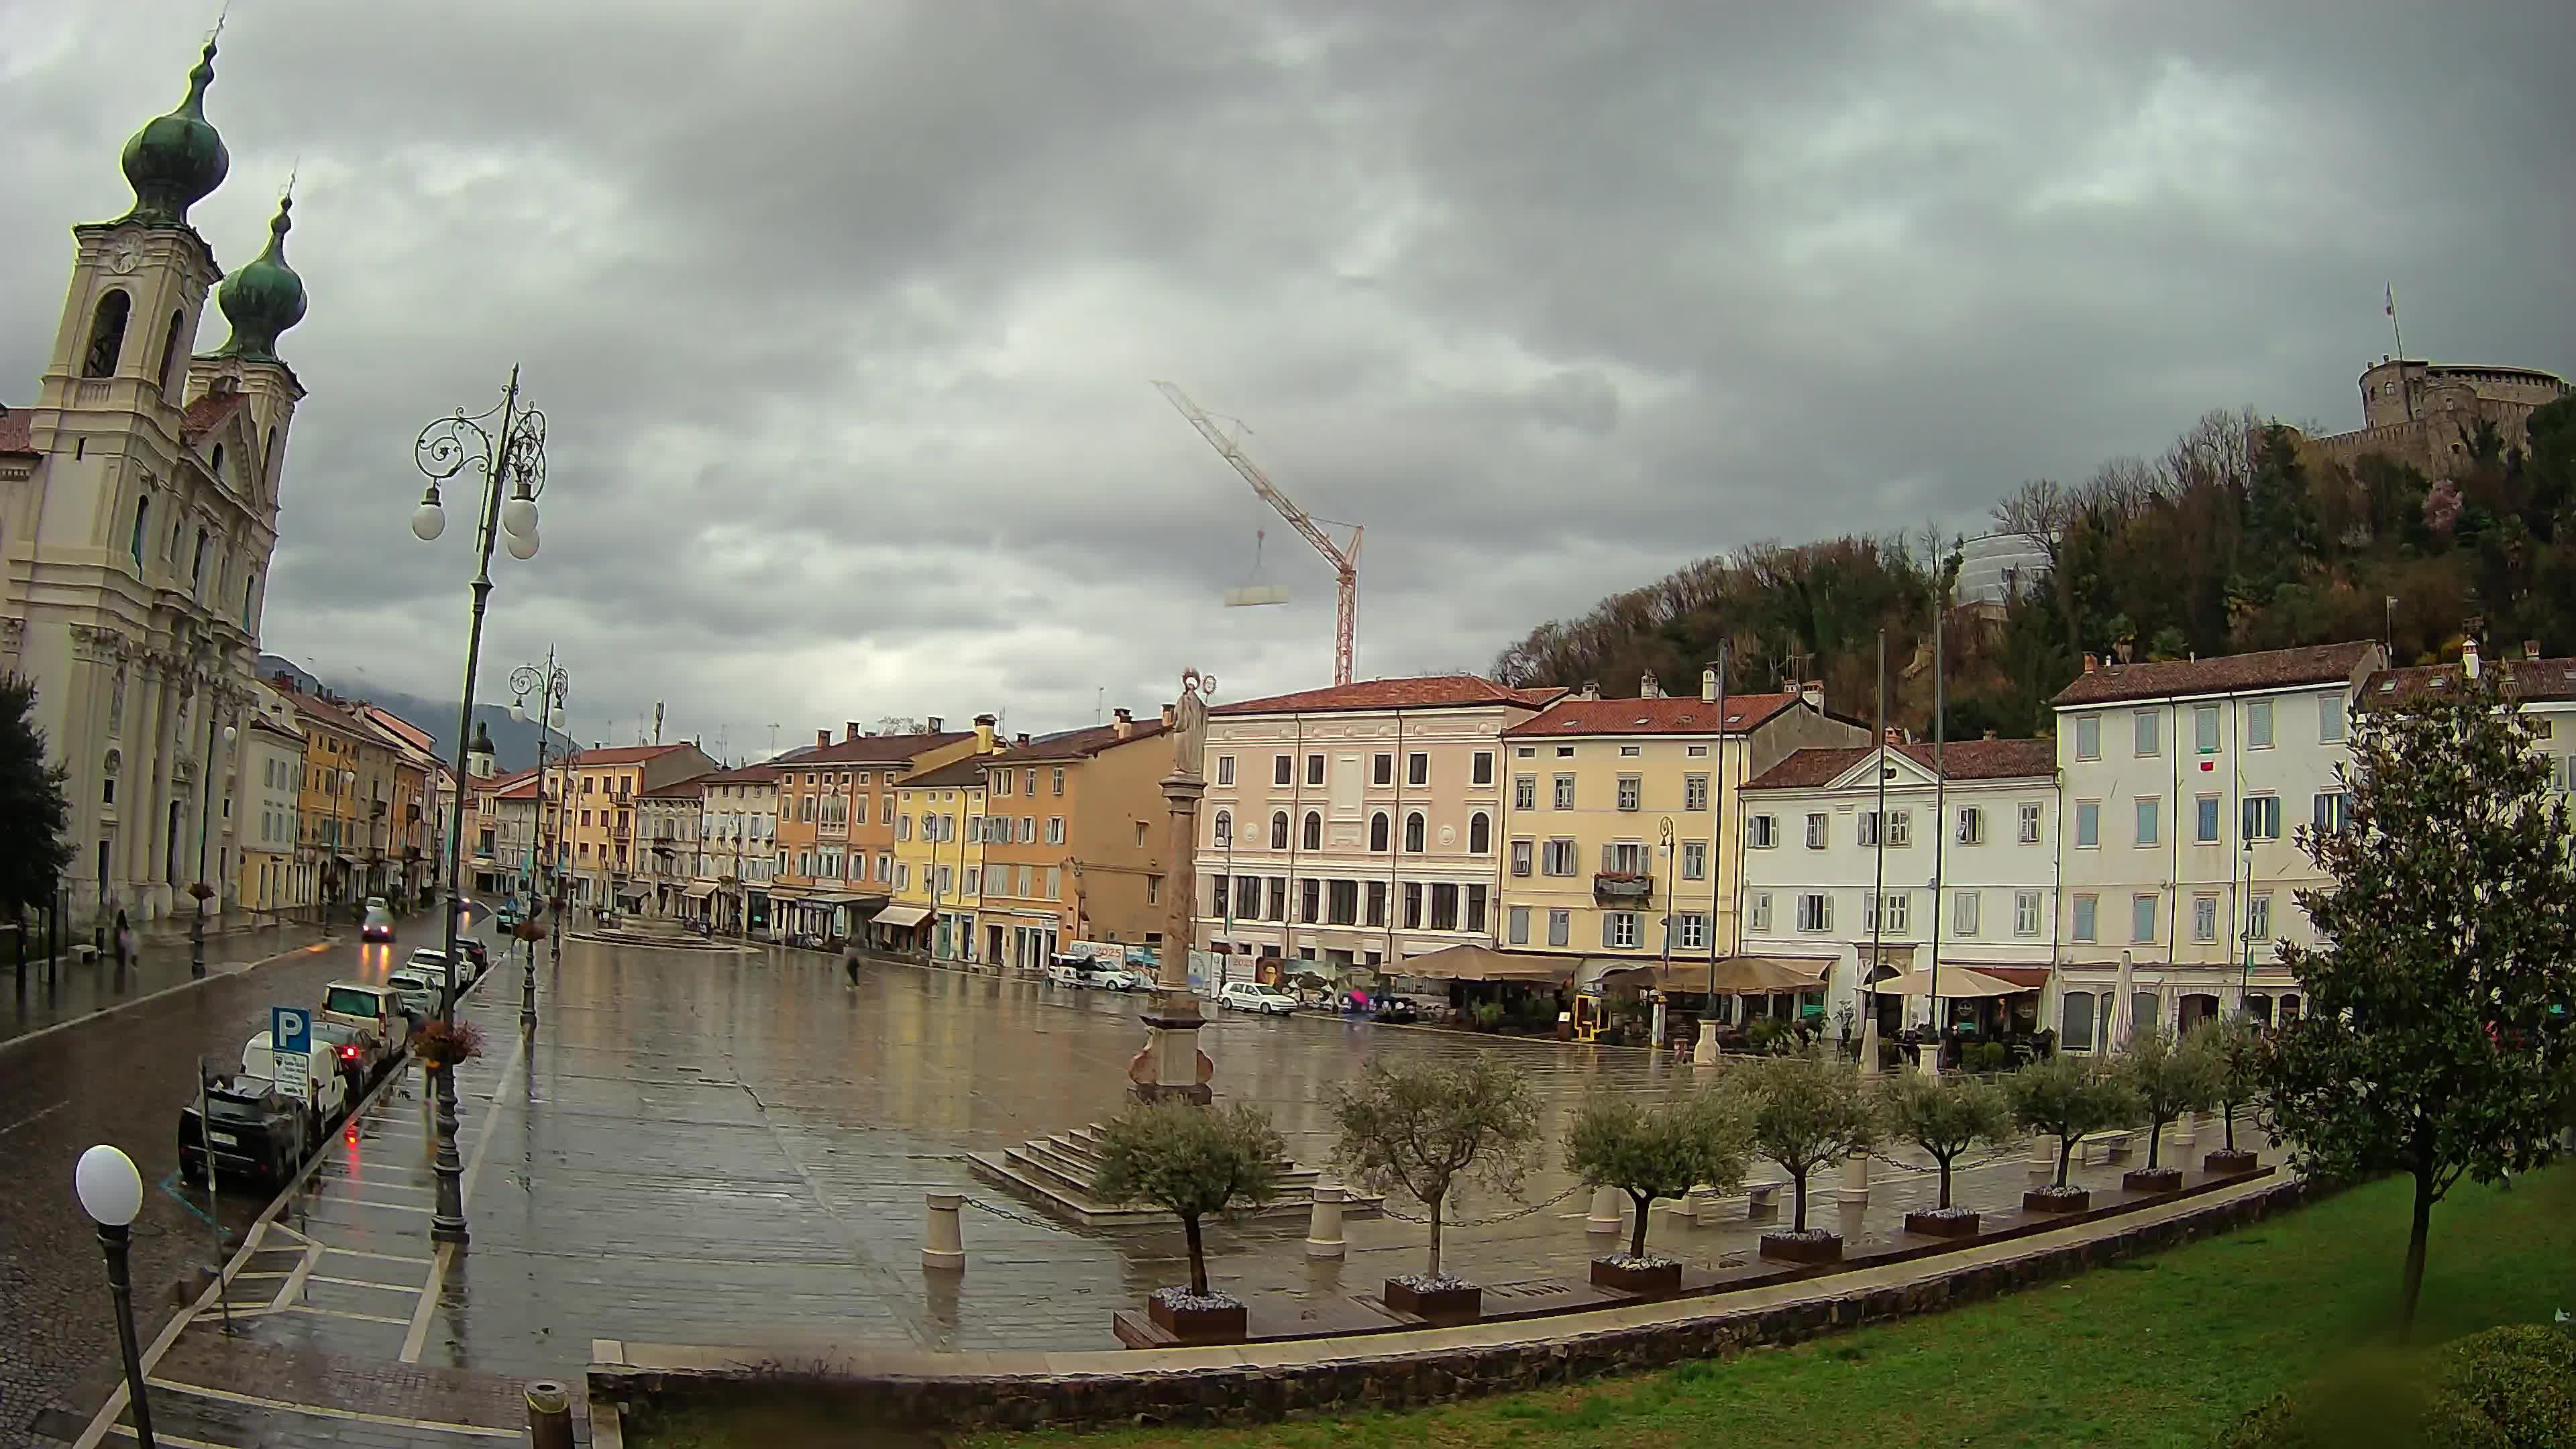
[442, 1043]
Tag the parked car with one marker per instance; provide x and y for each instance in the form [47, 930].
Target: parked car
[1109, 976]
[476, 953]
[1253, 996]
[1397, 1009]
[416, 992]
[372, 1008]
[431, 962]
[1067, 971]
[249, 1128]
[326, 1093]
[378, 922]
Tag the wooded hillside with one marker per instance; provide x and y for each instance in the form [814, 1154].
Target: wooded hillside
[2239, 536]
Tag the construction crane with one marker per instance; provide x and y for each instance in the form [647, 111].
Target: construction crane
[1345, 558]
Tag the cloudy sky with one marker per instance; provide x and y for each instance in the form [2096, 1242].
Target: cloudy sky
[845, 313]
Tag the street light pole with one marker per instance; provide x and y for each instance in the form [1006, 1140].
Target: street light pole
[111, 1192]
[513, 460]
[205, 825]
[551, 686]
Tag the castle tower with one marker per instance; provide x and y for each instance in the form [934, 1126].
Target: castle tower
[137, 519]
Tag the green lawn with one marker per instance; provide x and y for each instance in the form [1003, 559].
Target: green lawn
[2163, 1351]
[2155, 1352]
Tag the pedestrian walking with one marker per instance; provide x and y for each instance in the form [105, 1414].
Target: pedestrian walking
[124, 941]
[850, 963]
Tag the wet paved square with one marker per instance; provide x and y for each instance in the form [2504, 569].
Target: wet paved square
[733, 1150]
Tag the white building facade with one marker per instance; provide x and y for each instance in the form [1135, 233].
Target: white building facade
[1961, 869]
[739, 853]
[274, 874]
[2184, 784]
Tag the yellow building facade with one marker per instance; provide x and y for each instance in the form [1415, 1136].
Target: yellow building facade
[1614, 814]
[939, 855]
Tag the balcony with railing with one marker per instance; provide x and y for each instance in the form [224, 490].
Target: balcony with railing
[1622, 887]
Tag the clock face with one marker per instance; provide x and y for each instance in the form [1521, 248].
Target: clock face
[123, 258]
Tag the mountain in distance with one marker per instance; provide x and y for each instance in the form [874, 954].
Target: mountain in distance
[514, 745]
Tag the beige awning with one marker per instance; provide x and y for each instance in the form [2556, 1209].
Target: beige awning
[700, 891]
[902, 916]
[1483, 963]
[1732, 976]
[1957, 983]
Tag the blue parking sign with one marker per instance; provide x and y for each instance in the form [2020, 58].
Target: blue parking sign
[290, 1029]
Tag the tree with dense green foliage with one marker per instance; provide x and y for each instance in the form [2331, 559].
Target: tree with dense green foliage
[2445, 941]
[2067, 1096]
[1192, 1162]
[33, 812]
[1944, 1115]
[2167, 1077]
[2512, 1387]
[1808, 1113]
[1663, 1150]
[2239, 1047]
[1419, 1127]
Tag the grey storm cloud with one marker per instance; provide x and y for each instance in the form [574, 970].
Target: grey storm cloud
[844, 315]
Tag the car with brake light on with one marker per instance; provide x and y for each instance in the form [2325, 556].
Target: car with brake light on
[1254, 996]
[359, 1054]
[378, 922]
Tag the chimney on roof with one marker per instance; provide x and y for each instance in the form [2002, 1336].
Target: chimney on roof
[1708, 686]
[1648, 687]
[984, 733]
[2531, 649]
[1895, 736]
[1591, 690]
[822, 738]
[849, 730]
[1019, 739]
[2469, 658]
[2091, 662]
[1813, 692]
[931, 725]
[1123, 722]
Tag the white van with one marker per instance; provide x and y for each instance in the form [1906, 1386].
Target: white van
[327, 1094]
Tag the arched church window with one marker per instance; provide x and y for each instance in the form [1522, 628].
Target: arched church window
[197, 568]
[142, 515]
[172, 373]
[216, 467]
[107, 335]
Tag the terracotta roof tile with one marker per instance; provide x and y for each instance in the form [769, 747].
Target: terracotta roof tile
[17, 430]
[747, 775]
[2224, 674]
[967, 773]
[1079, 744]
[620, 755]
[1684, 715]
[692, 788]
[1960, 760]
[2532, 679]
[1430, 691]
[209, 413]
[874, 749]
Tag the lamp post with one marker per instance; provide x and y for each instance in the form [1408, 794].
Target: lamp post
[200, 892]
[511, 456]
[549, 686]
[111, 1192]
[1672, 915]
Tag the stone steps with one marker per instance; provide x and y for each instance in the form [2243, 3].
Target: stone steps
[1059, 1172]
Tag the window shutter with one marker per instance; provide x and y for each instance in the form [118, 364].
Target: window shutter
[1609, 857]
[1605, 928]
[1829, 911]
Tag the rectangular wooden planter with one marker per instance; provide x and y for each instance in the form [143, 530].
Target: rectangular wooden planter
[1935, 1225]
[2151, 1179]
[2224, 1162]
[1462, 1304]
[1662, 1280]
[1224, 1324]
[1785, 1248]
[2036, 1201]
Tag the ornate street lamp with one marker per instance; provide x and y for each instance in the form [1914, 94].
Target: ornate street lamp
[549, 686]
[111, 1192]
[510, 454]
[200, 892]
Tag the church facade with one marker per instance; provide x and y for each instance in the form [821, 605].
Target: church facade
[138, 513]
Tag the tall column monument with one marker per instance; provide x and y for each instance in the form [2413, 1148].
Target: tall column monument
[1171, 1065]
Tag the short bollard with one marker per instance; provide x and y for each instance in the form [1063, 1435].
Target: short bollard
[2043, 1157]
[1609, 1213]
[549, 1415]
[1855, 1189]
[945, 1247]
[2186, 1135]
[1324, 1226]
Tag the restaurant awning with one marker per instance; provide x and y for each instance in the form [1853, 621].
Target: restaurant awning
[843, 898]
[902, 916]
[1731, 976]
[1483, 963]
[700, 891]
[1957, 983]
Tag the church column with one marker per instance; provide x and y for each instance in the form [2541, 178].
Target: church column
[147, 703]
[179, 693]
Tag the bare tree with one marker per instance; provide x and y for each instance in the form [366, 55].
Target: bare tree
[2043, 512]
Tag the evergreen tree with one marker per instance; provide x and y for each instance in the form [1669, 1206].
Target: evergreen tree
[33, 813]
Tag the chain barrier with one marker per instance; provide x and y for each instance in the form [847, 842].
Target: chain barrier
[1520, 1212]
[1009, 1216]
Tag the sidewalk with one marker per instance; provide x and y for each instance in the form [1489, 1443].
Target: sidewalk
[70, 988]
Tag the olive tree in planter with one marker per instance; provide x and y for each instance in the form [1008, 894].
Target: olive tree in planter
[1417, 1129]
[1192, 1161]
[1945, 1116]
[1647, 1152]
[2166, 1077]
[2238, 1046]
[2065, 1097]
[1806, 1113]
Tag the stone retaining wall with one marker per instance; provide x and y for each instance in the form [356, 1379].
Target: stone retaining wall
[1391, 1377]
